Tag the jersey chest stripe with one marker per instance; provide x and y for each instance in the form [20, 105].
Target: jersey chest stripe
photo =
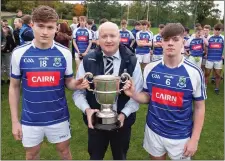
[44, 101]
[43, 112]
[169, 74]
[44, 90]
[168, 120]
[169, 86]
[168, 109]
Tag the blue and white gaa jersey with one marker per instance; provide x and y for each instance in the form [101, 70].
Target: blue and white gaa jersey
[172, 92]
[215, 48]
[196, 46]
[143, 36]
[43, 73]
[186, 39]
[157, 50]
[126, 37]
[82, 37]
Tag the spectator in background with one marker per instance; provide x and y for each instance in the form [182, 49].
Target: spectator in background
[64, 35]
[137, 27]
[6, 51]
[6, 24]
[73, 26]
[93, 27]
[89, 26]
[18, 23]
[18, 15]
[26, 33]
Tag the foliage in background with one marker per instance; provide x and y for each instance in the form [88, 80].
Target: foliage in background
[186, 12]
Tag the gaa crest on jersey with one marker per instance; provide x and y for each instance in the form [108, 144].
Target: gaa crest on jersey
[182, 82]
[57, 62]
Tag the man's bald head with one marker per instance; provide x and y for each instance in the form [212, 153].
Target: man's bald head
[109, 38]
[108, 25]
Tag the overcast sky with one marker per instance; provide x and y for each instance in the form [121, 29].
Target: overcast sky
[220, 7]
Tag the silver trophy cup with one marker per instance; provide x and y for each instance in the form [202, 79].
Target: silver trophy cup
[107, 89]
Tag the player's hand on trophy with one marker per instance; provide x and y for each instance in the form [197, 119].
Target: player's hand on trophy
[89, 112]
[121, 118]
[129, 88]
[82, 83]
[17, 131]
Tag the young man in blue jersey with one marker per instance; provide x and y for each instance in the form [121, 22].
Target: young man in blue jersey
[172, 86]
[215, 55]
[45, 68]
[186, 37]
[26, 33]
[196, 45]
[89, 26]
[136, 29]
[126, 36]
[82, 40]
[144, 42]
[157, 44]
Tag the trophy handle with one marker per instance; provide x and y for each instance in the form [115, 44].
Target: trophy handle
[86, 76]
[125, 76]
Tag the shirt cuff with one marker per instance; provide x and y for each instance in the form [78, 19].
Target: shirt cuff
[83, 107]
[126, 111]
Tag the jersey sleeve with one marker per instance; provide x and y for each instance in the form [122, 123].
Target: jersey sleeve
[15, 66]
[89, 35]
[131, 35]
[154, 38]
[69, 67]
[74, 33]
[138, 36]
[145, 75]
[199, 92]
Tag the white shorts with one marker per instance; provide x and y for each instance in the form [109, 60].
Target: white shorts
[197, 60]
[34, 135]
[143, 58]
[77, 56]
[156, 57]
[214, 64]
[157, 145]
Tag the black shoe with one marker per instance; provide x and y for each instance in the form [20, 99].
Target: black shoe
[217, 91]
[213, 80]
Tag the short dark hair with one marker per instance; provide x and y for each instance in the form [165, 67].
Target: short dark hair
[103, 20]
[207, 27]
[187, 29]
[197, 24]
[161, 26]
[144, 22]
[172, 29]
[123, 22]
[218, 26]
[89, 22]
[137, 23]
[4, 20]
[44, 14]
[26, 19]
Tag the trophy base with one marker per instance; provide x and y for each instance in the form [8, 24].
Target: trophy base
[107, 127]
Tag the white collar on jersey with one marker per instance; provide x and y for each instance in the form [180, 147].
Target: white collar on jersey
[116, 55]
[53, 44]
[182, 61]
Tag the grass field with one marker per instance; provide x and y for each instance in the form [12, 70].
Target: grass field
[211, 144]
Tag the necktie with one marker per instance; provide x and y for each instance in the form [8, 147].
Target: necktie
[109, 66]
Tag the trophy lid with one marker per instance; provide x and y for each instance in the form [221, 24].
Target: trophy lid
[106, 77]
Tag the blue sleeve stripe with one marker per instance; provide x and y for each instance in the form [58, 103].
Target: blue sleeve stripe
[68, 76]
[16, 76]
[145, 90]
